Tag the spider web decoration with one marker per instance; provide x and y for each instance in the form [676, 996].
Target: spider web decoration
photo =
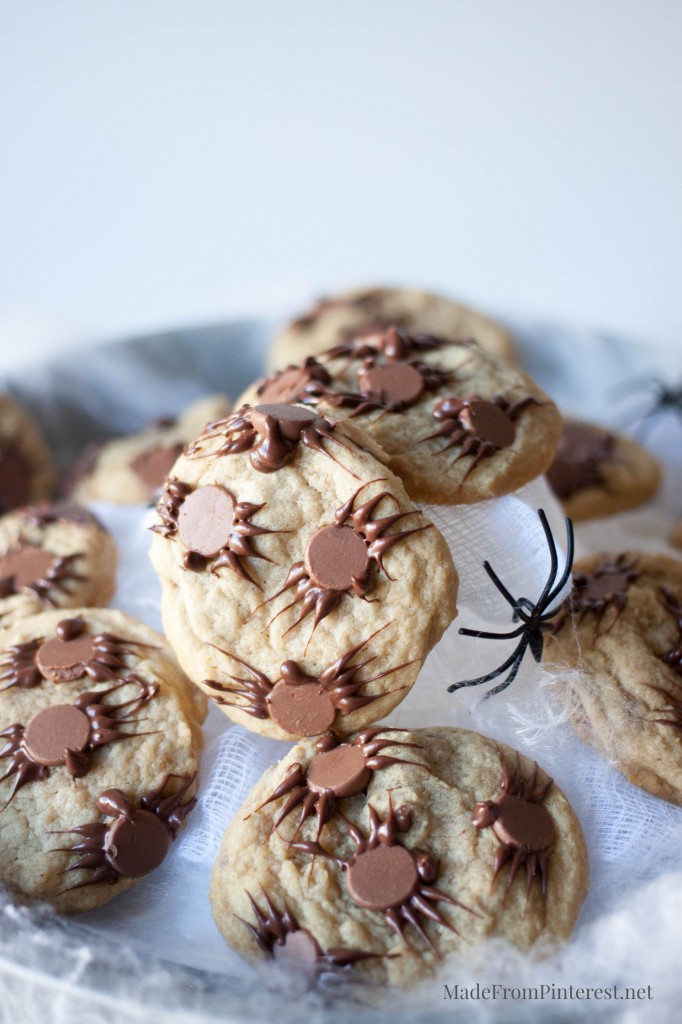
[663, 398]
[534, 617]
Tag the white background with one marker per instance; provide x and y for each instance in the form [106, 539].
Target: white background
[175, 161]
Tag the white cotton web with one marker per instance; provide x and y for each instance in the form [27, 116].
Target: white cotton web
[232, 764]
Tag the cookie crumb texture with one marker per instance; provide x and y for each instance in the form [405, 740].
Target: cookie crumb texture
[54, 556]
[26, 469]
[409, 878]
[458, 425]
[620, 636]
[300, 587]
[353, 312]
[99, 750]
[130, 470]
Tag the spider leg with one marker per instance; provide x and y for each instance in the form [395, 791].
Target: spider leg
[484, 635]
[501, 587]
[568, 566]
[554, 559]
[513, 661]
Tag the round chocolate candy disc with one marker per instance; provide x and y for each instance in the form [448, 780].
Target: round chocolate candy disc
[383, 877]
[299, 950]
[489, 422]
[604, 586]
[397, 382]
[335, 556]
[342, 771]
[291, 419]
[302, 710]
[154, 466]
[26, 566]
[137, 845]
[53, 731]
[285, 386]
[64, 660]
[523, 825]
[206, 519]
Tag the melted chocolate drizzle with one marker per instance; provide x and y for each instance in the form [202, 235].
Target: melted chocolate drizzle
[137, 839]
[299, 699]
[104, 726]
[363, 758]
[384, 876]
[524, 829]
[596, 591]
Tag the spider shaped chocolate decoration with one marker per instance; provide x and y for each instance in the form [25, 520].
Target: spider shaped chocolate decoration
[15, 473]
[281, 938]
[69, 734]
[391, 385]
[30, 569]
[672, 658]
[70, 654]
[341, 558]
[534, 618]
[270, 433]
[138, 838]
[580, 455]
[339, 769]
[384, 876]
[300, 704]
[391, 342]
[47, 513]
[524, 827]
[477, 426]
[153, 466]
[597, 591]
[216, 529]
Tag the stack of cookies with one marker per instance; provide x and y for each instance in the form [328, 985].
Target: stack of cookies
[302, 589]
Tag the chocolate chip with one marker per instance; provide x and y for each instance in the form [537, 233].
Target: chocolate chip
[395, 382]
[302, 710]
[523, 825]
[285, 386]
[26, 565]
[53, 731]
[291, 419]
[335, 556]
[62, 660]
[153, 467]
[382, 878]
[342, 771]
[137, 845]
[487, 421]
[206, 518]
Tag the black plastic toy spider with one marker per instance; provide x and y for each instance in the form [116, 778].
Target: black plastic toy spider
[663, 398]
[534, 617]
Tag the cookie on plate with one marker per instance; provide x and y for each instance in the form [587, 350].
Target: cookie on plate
[392, 851]
[26, 470]
[367, 310]
[292, 562]
[597, 472]
[620, 634]
[100, 746]
[458, 424]
[54, 556]
[130, 470]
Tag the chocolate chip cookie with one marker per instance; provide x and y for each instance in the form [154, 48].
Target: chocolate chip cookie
[458, 425]
[292, 565]
[347, 315]
[620, 635]
[383, 853]
[597, 472]
[100, 739]
[54, 556]
[26, 470]
[132, 469]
